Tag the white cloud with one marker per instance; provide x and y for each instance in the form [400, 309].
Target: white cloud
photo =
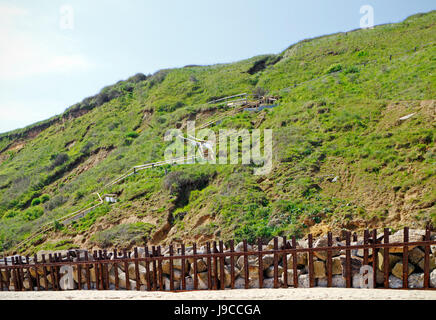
[26, 51]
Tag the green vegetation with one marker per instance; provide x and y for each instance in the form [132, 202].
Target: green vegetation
[342, 157]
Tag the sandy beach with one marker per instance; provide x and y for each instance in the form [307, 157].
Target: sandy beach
[252, 294]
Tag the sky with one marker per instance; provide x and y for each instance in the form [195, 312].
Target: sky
[55, 53]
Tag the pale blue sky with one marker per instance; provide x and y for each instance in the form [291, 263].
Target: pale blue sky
[44, 68]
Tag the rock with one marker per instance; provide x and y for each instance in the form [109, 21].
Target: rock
[397, 270]
[416, 281]
[395, 283]
[121, 279]
[239, 283]
[202, 281]
[380, 277]
[356, 264]
[432, 263]
[177, 264]
[268, 283]
[253, 270]
[319, 269]
[415, 255]
[323, 242]
[433, 279]
[356, 281]
[290, 277]
[167, 284]
[189, 283]
[240, 247]
[267, 261]
[359, 252]
[82, 274]
[270, 271]
[201, 266]
[337, 281]
[393, 259]
[433, 249]
[301, 260]
[142, 273]
[336, 266]
[227, 276]
[303, 281]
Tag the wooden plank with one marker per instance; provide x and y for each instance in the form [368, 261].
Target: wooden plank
[171, 268]
[88, 273]
[311, 271]
[106, 270]
[183, 267]
[209, 267]
[294, 261]
[348, 259]
[195, 267]
[276, 263]
[374, 258]
[386, 259]
[405, 258]
[215, 267]
[116, 275]
[35, 261]
[79, 269]
[147, 268]
[260, 261]
[427, 260]
[232, 265]
[366, 252]
[329, 260]
[159, 268]
[28, 273]
[155, 253]
[246, 274]
[285, 264]
[52, 273]
[222, 275]
[138, 279]
[126, 269]
[45, 272]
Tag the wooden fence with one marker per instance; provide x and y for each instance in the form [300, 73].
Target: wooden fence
[151, 269]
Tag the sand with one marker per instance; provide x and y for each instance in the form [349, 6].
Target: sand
[251, 294]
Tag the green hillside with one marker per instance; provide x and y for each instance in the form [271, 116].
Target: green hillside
[342, 157]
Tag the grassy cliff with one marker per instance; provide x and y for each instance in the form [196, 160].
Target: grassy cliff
[343, 159]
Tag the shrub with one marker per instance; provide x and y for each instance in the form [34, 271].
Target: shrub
[44, 198]
[177, 181]
[334, 68]
[351, 69]
[87, 147]
[10, 214]
[36, 202]
[33, 213]
[132, 134]
[60, 159]
[57, 225]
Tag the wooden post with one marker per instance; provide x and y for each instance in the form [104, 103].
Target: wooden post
[209, 267]
[147, 268]
[285, 264]
[259, 258]
[246, 274]
[276, 263]
[232, 264]
[194, 253]
[329, 260]
[183, 267]
[222, 275]
[374, 258]
[126, 269]
[215, 267]
[311, 271]
[35, 261]
[406, 258]
[138, 279]
[366, 251]
[115, 266]
[294, 261]
[386, 258]
[88, 273]
[348, 259]
[171, 268]
[427, 260]
[159, 267]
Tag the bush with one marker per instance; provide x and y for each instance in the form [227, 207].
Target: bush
[334, 68]
[10, 214]
[177, 181]
[132, 134]
[351, 69]
[44, 198]
[33, 213]
[36, 202]
[60, 159]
